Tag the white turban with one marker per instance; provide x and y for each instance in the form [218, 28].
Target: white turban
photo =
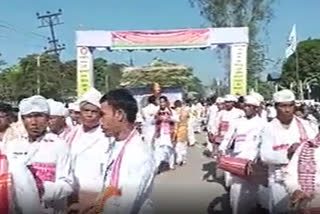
[74, 106]
[57, 108]
[219, 100]
[251, 100]
[258, 96]
[283, 96]
[34, 104]
[92, 96]
[230, 98]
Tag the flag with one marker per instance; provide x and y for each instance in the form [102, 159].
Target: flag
[292, 42]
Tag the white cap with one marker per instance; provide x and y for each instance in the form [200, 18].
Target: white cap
[74, 106]
[230, 98]
[258, 96]
[251, 100]
[57, 108]
[92, 96]
[220, 100]
[283, 96]
[34, 104]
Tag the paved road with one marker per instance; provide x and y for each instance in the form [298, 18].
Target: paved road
[190, 188]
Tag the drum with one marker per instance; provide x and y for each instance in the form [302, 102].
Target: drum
[236, 166]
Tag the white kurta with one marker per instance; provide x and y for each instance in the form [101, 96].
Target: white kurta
[212, 117]
[164, 149]
[136, 177]
[244, 134]
[264, 115]
[49, 160]
[221, 126]
[199, 109]
[227, 117]
[276, 140]
[89, 156]
[149, 112]
[24, 185]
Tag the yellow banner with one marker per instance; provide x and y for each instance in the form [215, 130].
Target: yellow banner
[84, 70]
[238, 74]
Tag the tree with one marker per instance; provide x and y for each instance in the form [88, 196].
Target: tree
[107, 76]
[309, 67]
[256, 14]
[2, 63]
[100, 67]
[114, 75]
[69, 77]
[164, 73]
[57, 79]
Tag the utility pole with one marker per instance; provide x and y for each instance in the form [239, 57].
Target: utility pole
[38, 74]
[50, 20]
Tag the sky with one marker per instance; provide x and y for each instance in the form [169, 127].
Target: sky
[20, 35]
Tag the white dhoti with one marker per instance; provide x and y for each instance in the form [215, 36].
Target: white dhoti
[279, 198]
[191, 137]
[181, 152]
[243, 196]
[164, 151]
[197, 125]
[227, 179]
[148, 131]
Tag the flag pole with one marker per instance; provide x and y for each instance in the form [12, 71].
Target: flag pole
[300, 89]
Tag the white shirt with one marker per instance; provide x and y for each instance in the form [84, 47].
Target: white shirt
[50, 160]
[212, 114]
[227, 117]
[275, 142]
[89, 156]
[245, 135]
[136, 176]
[149, 112]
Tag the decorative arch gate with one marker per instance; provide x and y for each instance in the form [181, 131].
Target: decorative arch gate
[236, 38]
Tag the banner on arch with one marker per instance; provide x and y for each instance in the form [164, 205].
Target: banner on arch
[238, 73]
[84, 70]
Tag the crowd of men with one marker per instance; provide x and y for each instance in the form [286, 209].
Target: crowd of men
[268, 153]
[92, 158]
[86, 159]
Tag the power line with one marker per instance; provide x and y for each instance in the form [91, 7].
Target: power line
[8, 26]
[50, 20]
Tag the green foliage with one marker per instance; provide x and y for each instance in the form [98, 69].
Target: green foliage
[107, 76]
[309, 67]
[266, 89]
[256, 14]
[58, 79]
[164, 73]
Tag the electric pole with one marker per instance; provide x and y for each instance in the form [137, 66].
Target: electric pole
[50, 20]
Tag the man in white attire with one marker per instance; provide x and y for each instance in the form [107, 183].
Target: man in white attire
[129, 180]
[280, 138]
[57, 121]
[148, 113]
[45, 154]
[214, 110]
[222, 124]
[89, 148]
[243, 137]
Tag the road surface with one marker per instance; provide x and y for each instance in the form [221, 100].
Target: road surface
[190, 188]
